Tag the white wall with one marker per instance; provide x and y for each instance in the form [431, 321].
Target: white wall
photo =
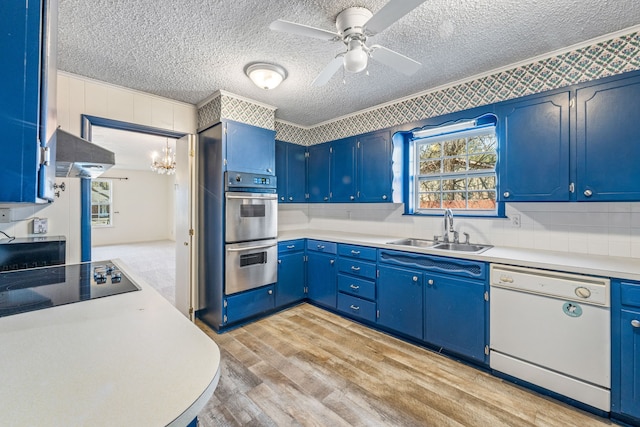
[142, 206]
[592, 228]
[79, 95]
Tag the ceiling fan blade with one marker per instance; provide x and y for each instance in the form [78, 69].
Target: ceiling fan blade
[328, 72]
[395, 60]
[389, 14]
[303, 30]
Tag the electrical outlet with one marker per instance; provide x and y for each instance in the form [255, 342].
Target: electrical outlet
[40, 225]
[5, 215]
[515, 220]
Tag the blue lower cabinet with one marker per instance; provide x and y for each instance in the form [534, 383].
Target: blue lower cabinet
[400, 300]
[321, 278]
[625, 351]
[455, 315]
[249, 304]
[357, 307]
[291, 279]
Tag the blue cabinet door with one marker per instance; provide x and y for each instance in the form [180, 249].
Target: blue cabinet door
[375, 177]
[291, 170]
[630, 363]
[250, 149]
[608, 141]
[27, 85]
[455, 315]
[249, 304]
[296, 173]
[534, 149]
[321, 278]
[319, 172]
[281, 170]
[291, 279]
[400, 300]
[343, 170]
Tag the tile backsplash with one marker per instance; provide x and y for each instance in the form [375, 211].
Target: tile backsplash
[591, 228]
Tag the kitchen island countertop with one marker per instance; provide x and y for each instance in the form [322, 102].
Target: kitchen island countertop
[126, 359]
[596, 265]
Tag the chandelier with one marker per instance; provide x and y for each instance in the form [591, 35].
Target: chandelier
[166, 164]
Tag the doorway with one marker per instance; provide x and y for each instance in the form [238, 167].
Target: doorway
[131, 210]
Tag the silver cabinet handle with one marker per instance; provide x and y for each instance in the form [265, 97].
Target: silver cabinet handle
[269, 170]
[430, 281]
[354, 287]
[355, 252]
[354, 307]
[354, 268]
[290, 198]
[279, 261]
[320, 247]
[291, 246]
[326, 198]
[506, 194]
[415, 278]
[588, 193]
[352, 198]
[333, 261]
[384, 197]
[635, 323]
[270, 291]
[282, 198]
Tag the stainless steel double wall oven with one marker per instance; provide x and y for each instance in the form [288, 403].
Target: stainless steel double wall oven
[251, 230]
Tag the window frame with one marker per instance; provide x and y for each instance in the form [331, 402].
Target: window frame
[413, 177]
[109, 204]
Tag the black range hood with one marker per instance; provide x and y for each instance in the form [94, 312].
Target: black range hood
[77, 157]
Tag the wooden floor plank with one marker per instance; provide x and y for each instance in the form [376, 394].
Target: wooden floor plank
[308, 367]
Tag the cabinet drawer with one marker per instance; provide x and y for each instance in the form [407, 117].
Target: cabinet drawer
[630, 293]
[357, 287]
[357, 307]
[436, 264]
[250, 303]
[322, 246]
[357, 268]
[290, 246]
[354, 251]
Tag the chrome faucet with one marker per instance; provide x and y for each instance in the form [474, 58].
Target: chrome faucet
[448, 214]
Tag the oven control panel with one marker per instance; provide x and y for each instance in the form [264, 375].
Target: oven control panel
[239, 181]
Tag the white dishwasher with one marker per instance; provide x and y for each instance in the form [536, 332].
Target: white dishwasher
[553, 330]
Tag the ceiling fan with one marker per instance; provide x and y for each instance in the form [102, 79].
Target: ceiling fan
[355, 25]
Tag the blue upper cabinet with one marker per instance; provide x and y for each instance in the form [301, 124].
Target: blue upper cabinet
[27, 104]
[291, 170]
[375, 177]
[250, 149]
[534, 149]
[319, 172]
[343, 170]
[608, 140]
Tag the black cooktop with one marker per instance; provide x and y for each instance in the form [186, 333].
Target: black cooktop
[38, 288]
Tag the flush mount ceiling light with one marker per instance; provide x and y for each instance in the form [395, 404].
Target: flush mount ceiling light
[265, 76]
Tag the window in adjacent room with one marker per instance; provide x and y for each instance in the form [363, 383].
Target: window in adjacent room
[101, 203]
[454, 167]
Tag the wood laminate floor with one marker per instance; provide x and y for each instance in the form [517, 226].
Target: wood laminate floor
[306, 366]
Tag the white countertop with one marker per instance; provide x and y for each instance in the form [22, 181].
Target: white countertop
[122, 360]
[616, 267]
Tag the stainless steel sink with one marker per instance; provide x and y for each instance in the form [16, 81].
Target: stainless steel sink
[461, 247]
[452, 247]
[420, 243]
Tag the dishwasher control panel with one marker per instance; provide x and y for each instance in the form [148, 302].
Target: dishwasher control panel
[587, 289]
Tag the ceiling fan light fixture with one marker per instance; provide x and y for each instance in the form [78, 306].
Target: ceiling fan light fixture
[355, 60]
[265, 76]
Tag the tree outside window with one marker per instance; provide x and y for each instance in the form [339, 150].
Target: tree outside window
[457, 171]
[101, 203]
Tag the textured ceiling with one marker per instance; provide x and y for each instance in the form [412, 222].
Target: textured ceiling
[188, 49]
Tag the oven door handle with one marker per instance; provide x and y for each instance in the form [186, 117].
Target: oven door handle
[251, 248]
[268, 197]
